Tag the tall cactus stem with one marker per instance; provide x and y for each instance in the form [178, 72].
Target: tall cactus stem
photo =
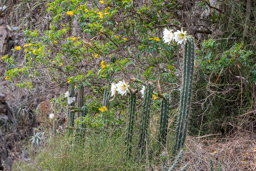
[132, 109]
[145, 118]
[55, 126]
[80, 98]
[185, 96]
[70, 118]
[164, 120]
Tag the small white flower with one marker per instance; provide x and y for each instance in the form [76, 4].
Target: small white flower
[51, 116]
[122, 87]
[67, 94]
[142, 91]
[168, 35]
[113, 89]
[180, 36]
[71, 100]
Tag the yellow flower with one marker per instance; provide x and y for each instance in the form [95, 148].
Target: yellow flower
[86, 10]
[157, 118]
[55, 41]
[154, 97]
[7, 78]
[102, 2]
[156, 39]
[100, 14]
[68, 81]
[116, 36]
[209, 61]
[74, 38]
[124, 38]
[150, 38]
[61, 64]
[25, 45]
[34, 51]
[103, 64]
[103, 109]
[246, 153]
[30, 44]
[26, 50]
[75, 86]
[53, 61]
[215, 152]
[159, 11]
[71, 13]
[95, 55]
[18, 48]
[242, 161]
[96, 114]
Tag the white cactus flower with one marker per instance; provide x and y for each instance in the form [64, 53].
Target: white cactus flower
[180, 36]
[67, 94]
[71, 100]
[142, 91]
[51, 116]
[113, 89]
[168, 35]
[122, 87]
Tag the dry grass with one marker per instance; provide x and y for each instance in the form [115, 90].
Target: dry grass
[237, 152]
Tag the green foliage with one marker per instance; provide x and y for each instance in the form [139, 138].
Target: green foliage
[226, 94]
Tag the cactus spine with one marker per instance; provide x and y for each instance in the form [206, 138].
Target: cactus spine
[132, 109]
[145, 118]
[164, 120]
[185, 96]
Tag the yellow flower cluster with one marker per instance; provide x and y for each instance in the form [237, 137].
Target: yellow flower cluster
[95, 55]
[154, 97]
[103, 64]
[155, 38]
[68, 81]
[124, 38]
[71, 13]
[100, 15]
[7, 78]
[17, 48]
[102, 2]
[103, 109]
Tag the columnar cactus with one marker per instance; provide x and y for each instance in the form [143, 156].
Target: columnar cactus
[145, 118]
[185, 96]
[80, 96]
[106, 98]
[132, 109]
[164, 120]
[55, 126]
[71, 115]
[83, 126]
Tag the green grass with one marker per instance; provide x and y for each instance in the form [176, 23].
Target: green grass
[99, 152]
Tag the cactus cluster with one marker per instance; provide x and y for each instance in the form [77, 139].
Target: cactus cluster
[185, 96]
[164, 120]
[145, 118]
[132, 109]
